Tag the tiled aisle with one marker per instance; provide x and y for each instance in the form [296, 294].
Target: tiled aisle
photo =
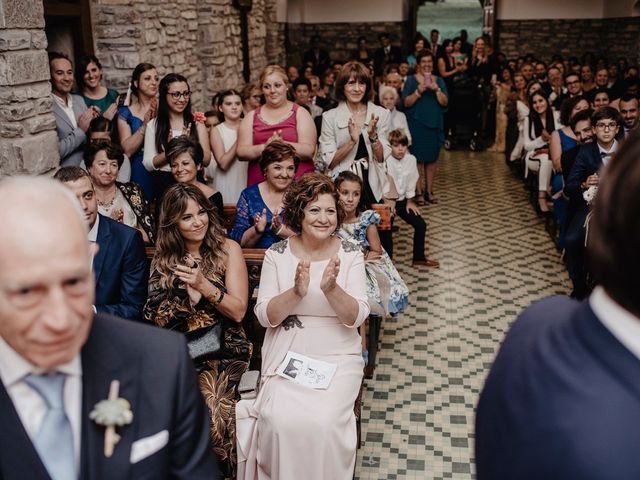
[496, 258]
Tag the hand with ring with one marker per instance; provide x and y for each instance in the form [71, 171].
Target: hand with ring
[192, 277]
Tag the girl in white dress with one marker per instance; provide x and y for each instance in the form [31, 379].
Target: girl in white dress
[228, 174]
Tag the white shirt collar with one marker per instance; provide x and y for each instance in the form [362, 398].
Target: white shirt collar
[93, 233]
[64, 104]
[13, 367]
[622, 324]
[612, 150]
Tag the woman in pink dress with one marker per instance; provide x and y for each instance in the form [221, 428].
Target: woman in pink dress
[312, 298]
[277, 119]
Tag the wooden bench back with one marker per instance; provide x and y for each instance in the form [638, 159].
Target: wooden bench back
[229, 219]
[385, 215]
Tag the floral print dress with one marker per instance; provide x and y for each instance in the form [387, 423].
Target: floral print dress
[218, 378]
[387, 292]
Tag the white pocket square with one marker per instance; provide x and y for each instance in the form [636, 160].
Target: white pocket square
[141, 449]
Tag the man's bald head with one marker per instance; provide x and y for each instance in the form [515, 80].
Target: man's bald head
[46, 284]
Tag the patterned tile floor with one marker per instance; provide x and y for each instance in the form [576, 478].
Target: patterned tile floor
[496, 258]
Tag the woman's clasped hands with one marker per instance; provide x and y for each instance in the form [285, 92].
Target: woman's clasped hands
[191, 276]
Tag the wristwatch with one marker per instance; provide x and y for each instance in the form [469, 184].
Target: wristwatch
[373, 139]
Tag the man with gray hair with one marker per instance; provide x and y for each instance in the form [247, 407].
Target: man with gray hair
[59, 362]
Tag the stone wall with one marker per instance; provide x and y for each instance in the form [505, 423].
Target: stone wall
[197, 38]
[609, 37]
[341, 39]
[28, 141]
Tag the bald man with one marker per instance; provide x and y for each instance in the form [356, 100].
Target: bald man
[58, 360]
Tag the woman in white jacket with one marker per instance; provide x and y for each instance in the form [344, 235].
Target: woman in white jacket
[538, 126]
[354, 134]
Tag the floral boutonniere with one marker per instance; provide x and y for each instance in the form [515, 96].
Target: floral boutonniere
[111, 413]
[199, 117]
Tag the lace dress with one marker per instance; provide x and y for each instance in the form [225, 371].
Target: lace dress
[249, 204]
[387, 292]
[217, 378]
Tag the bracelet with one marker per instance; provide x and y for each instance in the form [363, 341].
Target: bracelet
[219, 299]
[418, 94]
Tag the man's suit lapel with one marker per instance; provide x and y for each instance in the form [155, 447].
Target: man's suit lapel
[100, 366]
[18, 456]
[104, 232]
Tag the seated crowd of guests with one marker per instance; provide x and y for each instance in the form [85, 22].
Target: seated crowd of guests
[304, 158]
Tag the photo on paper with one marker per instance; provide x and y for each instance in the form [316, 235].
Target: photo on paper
[307, 371]
[293, 368]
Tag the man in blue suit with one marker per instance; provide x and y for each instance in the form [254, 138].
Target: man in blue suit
[58, 361]
[71, 113]
[120, 265]
[584, 174]
[562, 399]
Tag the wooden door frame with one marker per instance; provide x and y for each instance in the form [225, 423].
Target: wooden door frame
[79, 11]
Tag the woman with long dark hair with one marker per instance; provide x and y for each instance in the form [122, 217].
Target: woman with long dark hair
[133, 117]
[198, 281]
[89, 84]
[538, 126]
[174, 118]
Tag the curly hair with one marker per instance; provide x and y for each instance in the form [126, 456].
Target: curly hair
[183, 144]
[304, 191]
[277, 151]
[170, 246]
[112, 149]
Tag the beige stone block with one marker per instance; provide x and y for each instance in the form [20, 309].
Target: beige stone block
[126, 60]
[14, 40]
[23, 67]
[21, 14]
[17, 111]
[36, 154]
[43, 105]
[11, 130]
[41, 123]
[39, 40]
[116, 2]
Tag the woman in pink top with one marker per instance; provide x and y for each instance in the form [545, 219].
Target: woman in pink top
[277, 119]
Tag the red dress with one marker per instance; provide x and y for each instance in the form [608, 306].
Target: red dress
[262, 132]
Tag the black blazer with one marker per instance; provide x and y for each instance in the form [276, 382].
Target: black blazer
[157, 378]
[588, 161]
[380, 59]
[562, 400]
[121, 270]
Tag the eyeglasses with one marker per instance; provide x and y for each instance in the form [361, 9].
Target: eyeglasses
[177, 95]
[606, 126]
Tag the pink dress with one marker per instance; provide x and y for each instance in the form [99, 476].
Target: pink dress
[262, 132]
[293, 432]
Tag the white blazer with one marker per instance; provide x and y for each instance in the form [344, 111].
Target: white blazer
[335, 133]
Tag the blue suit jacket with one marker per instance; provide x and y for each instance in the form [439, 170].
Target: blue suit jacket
[588, 161]
[157, 378]
[71, 139]
[562, 400]
[121, 270]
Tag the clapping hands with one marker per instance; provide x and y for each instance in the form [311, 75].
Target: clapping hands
[301, 282]
[260, 221]
[330, 274]
[190, 274]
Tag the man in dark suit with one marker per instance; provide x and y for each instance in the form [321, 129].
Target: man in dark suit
[120, 265]
[385, 55]
[316, 57]
[628, 106]
[434, 44]
[71, 113]
[562, 398]
[58, 361]
[585, 175]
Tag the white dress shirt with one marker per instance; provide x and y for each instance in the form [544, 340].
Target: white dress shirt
[30, 406]
[67, 108]
[150, 149]
[93, 233]
[622, 324]
[405, 175]
[608, 153]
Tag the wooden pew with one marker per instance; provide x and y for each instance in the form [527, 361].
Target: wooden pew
[373, 333]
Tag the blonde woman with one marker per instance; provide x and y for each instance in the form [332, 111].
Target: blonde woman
[277, 119]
